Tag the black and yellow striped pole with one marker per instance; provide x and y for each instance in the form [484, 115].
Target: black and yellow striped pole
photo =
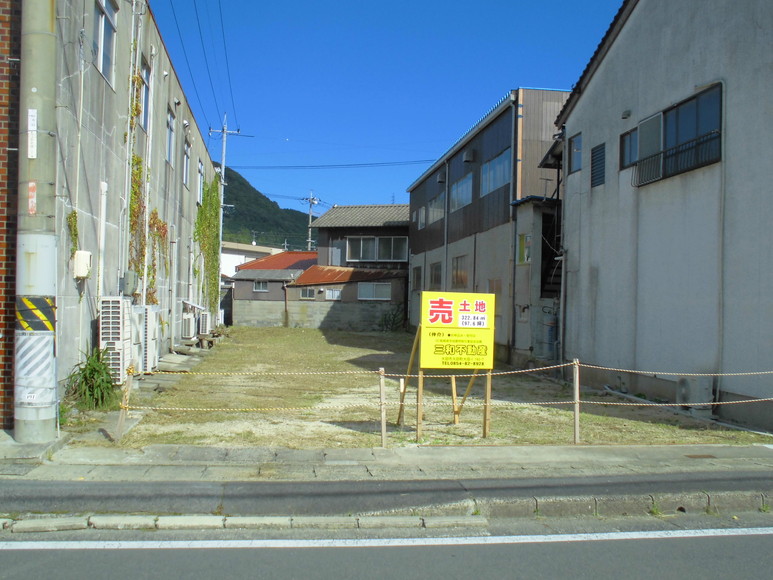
[35, 384]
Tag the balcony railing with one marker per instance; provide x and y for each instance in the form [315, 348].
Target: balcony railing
[704, 150]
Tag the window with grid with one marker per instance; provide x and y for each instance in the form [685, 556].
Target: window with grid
[435, 276]
[170, 137]
[307, 293]
[461, 193]
[145, 95]
[186, 162]
[260, 286]
[377, 249]
[374, 291]
[459, 272]
[105, 26]
[495, 173]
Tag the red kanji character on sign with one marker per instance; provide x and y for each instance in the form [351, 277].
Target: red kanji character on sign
[480, 306]
[442, 310]
[464, 306]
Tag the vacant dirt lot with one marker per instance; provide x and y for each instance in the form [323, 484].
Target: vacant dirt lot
[314, 389]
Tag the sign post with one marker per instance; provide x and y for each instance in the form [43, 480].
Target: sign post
[457, 332]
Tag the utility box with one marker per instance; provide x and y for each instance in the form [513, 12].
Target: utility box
[81, 264]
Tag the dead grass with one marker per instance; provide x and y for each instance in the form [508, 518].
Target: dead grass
[260, 368]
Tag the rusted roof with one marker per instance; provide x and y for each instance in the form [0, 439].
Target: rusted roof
[317, 275]
[282, 261]
[270, 275]
[364, 216]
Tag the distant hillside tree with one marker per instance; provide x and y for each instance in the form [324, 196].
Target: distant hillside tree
[254, 217]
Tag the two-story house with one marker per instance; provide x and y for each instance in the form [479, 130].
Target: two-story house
[667, 215]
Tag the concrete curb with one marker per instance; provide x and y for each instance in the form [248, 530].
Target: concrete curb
[479, 514]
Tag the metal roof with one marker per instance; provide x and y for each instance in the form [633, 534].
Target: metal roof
[361, 216]
[317, 275]
[281, 261]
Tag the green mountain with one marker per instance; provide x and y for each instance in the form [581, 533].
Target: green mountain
[254, 217]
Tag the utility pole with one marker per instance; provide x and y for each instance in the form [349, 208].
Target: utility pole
[35, 386]
[224, 132]
[312, 202]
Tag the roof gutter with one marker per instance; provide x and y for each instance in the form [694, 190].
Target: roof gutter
[498, 109]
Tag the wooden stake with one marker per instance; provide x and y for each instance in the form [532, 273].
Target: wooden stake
[401, 412]
[382, 400]
[419, 405]
[487, 407]
[576, 381]
[453, 400]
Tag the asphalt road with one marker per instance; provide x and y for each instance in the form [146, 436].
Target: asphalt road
[342, 497]
[683, 555]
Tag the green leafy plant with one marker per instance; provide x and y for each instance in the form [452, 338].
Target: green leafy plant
[206, 232]
[72, 226]
[90, 384]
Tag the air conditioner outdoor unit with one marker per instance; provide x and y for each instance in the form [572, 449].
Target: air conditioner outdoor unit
[138, 337]
[150, 343]
[115, 335]
[695, 393]
[205, 323]
[188, 326]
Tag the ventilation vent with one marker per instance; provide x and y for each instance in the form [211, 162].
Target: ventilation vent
[469, 156]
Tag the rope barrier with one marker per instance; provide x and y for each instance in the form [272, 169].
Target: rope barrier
[673, 374]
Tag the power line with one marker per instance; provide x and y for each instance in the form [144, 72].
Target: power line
[227, 64]
[204, 50]
[187, 62]
[336, 165]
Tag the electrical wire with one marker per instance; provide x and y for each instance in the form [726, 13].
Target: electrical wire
[336, 165]
[204, 51]
[187, 62]
[227, 64]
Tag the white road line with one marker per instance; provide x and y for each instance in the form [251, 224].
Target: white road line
[379, 543]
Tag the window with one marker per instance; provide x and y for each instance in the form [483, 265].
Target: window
[435, 276]
[495, 173]
[145, 95]
[186, 162]
[422, 218]
[170, 138]
[260, 286]
[524, 248]
[461, 193]
[307, 293]
[597, 165]
[416, 281]
[333, 294]
[106, 16]
[200, 198]
[459, 272]
[436, 208]
[575, 153]
[629, 148]
[691, 133]
[372, 249]
[374, 291]
[682, 138]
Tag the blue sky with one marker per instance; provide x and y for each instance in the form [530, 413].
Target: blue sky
[341, 82]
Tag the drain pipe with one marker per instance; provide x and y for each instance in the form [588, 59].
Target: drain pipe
[35, 388]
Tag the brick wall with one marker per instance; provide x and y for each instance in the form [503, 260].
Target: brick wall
[10, 46]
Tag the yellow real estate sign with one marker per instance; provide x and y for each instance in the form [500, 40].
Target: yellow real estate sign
[457, 330]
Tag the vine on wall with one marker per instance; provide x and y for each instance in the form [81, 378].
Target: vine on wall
[72, 226]
[206, 233]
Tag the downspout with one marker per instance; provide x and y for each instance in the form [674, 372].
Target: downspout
[446, 216]
[35, 377]
[514, 172]
[721, 264]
